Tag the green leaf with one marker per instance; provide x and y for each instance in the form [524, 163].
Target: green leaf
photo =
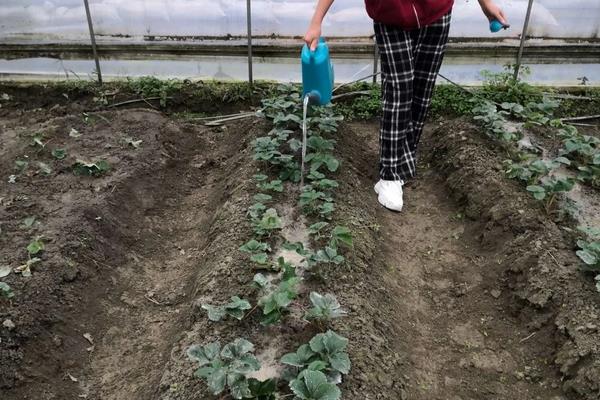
[237, 348]
[587, 257]
[313, 385]
[6, 291]
[21, 165]
[343, 235]
[216, 381]
[538, 192]
[260, 258]
[44, 168]
[324, 307]
[260, 281]
[204, 354]
[35, 246]
[262, 198]
[316, 228]
[340, 362]
[59, 154]
[215, 313]
[254, 246]
[29, 221]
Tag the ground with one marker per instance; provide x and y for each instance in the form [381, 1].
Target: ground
[472, 292]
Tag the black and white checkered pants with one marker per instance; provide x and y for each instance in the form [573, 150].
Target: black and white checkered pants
[410, 61]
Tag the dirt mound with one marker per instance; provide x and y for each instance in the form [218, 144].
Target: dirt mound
[552, 296]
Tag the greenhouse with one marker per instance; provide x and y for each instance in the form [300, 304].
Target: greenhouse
[300, 199]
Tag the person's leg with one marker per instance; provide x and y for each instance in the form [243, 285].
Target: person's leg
[428, 56]
[396, 162]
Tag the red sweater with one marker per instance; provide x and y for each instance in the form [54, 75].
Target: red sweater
[408, 14]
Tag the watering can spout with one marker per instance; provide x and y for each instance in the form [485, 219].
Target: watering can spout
[317, 73]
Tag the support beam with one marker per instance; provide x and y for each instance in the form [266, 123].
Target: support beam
[523, 38]
[93, 39]
[249, 25]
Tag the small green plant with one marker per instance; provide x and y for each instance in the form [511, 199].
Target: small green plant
[549, 189]
[275, 185]
[589, 253]
[316, 228]
[25, 269]
[268, 223]
[533, 170]
[44, 168]
[85, 168]
[36, 246]
[253, 246]
[325, 308]
[341, 235]
[235, 308]
[59, 154]
[227, 367]
[313, 385]
[274, 303]
[21, 165]
[324, 352]
[6, 291]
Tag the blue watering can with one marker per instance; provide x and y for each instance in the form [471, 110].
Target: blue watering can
[496, 25]
[317, 73]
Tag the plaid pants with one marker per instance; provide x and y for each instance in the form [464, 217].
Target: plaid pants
[410, 61]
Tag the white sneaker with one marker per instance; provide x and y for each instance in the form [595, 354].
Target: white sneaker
[390, 194]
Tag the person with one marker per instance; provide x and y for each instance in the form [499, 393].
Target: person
[411, 36]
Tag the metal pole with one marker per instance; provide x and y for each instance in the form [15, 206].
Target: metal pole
[375, 60]
[249, 25]
[93, 38]
[523, 37]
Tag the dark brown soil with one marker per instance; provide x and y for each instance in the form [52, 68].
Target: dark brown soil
[470, 293]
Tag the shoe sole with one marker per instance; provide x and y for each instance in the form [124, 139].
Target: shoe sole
[382, 203]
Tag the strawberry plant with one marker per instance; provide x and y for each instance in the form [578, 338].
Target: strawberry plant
[531, 171]
[35, 246]
[59, 154]
[235, 308]
[275, 185]
[313, 385]
[268, 223]
[85, 168]
[6, 291]
[341, 235]
[274, 303]
[254, 246]
[324, 352]
[325, 308]
[589, 253]
[548, 190]
[316, 228]
[227, 367]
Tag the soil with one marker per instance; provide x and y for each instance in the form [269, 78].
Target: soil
[470, 293]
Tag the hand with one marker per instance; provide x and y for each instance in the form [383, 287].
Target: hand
[311, 38]
[492, 12]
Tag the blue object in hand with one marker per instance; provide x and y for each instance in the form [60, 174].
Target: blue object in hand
[317, 73]
[496, 25]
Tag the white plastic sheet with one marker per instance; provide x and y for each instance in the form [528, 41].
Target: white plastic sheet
[65, 19]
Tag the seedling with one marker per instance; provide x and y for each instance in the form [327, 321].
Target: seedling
[549, 189]
[227, 367]
[254, 247]
[313, 385]
[315, 229]
[269, 222]
[325, 352]
[235, 308]
[21, 165]
[341, 235]
[6, 291]
[274, 185]
[28, 222]
[589, 253]
[325, 308]
[38, 141]
[85, 168]
[59, 154]
[35, 246]
[25, 269]
[44, 168]
[275, 303]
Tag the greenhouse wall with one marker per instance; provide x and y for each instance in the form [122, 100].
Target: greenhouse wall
[65, 19]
